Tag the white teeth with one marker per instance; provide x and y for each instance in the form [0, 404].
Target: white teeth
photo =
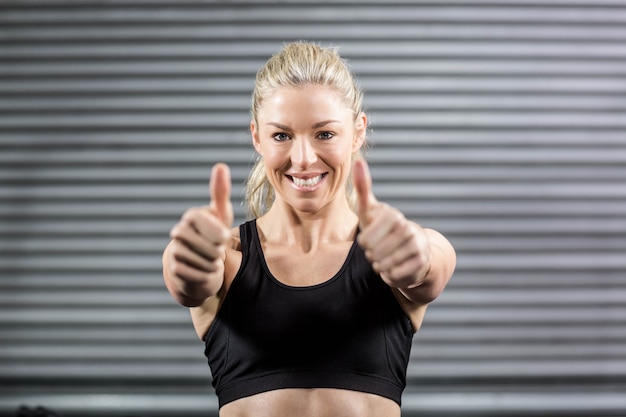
[308, 182]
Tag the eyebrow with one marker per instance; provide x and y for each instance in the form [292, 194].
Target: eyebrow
[315, 125]
[324, 123]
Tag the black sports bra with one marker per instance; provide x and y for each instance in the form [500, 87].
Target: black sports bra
[347, 333]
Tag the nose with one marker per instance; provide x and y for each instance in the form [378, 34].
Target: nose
[303, 153]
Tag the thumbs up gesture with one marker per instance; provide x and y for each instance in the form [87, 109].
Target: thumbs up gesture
[398, 249]
[193, 262]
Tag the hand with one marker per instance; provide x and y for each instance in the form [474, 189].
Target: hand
[195, 258]
[397, 248]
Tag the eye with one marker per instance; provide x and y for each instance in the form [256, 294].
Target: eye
[325, 135]
[281, 137]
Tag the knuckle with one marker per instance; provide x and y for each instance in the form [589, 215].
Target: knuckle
[176, 247]
[192, 212]
[398, 216]
[182, 229]
[178, 270]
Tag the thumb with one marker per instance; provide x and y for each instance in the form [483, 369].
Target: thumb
[219, 187]
[362, 181]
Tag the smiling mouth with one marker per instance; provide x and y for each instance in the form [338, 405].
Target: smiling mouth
[308, 182]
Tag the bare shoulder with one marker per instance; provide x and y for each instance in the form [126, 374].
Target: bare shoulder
[235, 239]
[233, 258]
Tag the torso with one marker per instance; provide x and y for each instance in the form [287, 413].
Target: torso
[298, 402]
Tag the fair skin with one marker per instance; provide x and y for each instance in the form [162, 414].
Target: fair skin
[307, 137]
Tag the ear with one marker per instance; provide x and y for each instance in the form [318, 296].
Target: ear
[255, 136]
[360, 130]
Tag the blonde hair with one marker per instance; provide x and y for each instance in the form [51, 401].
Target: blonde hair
[298, 64]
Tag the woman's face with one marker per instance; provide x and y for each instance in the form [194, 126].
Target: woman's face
[306, 136]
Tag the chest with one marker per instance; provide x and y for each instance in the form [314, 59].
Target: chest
[296, 268]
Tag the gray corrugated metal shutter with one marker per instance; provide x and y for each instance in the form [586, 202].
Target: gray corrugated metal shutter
[500, 123]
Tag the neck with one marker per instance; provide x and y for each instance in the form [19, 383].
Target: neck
[284, 225]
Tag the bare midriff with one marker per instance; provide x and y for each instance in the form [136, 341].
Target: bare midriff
[317, 402]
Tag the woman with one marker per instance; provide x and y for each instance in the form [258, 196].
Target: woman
[308, 310]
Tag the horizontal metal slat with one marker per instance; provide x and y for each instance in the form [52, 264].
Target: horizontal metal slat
[258, 50]
[96, 316]
[375, 12]
[497, 333]
[549, 261]
[573, 368]
[96, 281]
[70, 298]
[152, 370]
[173, 31]
[533, 297]
[176, 352]
[540, 278]
[525, 156]
[537, 315]
[50, 333]
[600, 351]
[206, 155]
[542, 244]
[246, 68]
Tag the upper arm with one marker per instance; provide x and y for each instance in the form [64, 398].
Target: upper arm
[414, 311]
[442, 261]
[414, 301]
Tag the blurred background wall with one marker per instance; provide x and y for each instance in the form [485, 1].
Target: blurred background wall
[500, 123]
